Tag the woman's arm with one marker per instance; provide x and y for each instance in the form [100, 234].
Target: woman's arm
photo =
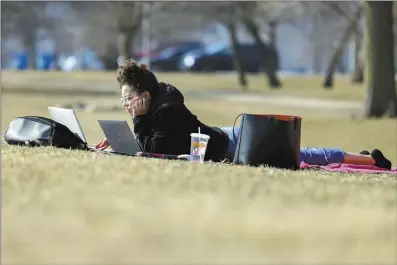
[158, 133]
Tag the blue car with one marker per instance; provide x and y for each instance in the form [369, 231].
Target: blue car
[168, 58]
[219, 57]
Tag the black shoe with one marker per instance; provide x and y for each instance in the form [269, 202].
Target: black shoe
[364, 152]
[380, 159]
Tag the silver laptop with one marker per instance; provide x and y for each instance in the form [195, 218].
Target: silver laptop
[119, 136]
[68, 118]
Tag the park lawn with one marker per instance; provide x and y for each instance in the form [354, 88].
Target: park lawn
[62, 206]
[320, 128]
[307, 87]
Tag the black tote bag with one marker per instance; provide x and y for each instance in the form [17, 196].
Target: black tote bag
[271, 140]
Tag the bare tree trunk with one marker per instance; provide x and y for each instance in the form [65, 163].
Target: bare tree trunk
[379, 59]
[358, 74]
[242, 78]
[272, 32]
[269, 57]
[121, 48]
[125, 41]
[128, 41]
[395, 29]
[395, 22]
[29, 40]
[129, 21]
[28, 28]
[273, 43]
[109, 57]
[329, 82]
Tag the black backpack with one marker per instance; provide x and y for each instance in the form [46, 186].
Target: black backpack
[41, 131]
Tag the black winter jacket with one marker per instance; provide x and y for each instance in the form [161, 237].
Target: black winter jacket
[167, 126]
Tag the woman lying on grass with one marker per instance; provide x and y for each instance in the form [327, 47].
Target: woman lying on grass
[163, 124]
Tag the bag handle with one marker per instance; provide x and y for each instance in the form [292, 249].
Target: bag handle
[295, 120]
[30, 143]
[234, 124]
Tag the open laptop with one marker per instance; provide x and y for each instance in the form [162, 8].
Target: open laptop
[118, 133]
[68, 118]
[120, 136]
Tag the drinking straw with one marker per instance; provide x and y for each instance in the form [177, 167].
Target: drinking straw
[199, 142]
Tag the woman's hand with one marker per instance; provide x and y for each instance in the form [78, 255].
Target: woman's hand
[140, 107]
[102, 145]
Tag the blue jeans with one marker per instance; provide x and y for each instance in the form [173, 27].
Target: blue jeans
[314, 156]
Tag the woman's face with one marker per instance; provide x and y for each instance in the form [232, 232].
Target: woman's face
[129, 96]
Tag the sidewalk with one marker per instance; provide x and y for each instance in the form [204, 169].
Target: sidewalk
[310, 103]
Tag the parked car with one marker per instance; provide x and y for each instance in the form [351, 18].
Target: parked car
[218, 57]
[139, 54]
[168, 59]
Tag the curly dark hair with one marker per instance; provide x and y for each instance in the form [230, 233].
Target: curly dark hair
[137, 76]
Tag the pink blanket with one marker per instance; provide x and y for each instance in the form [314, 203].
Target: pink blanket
[347, 168]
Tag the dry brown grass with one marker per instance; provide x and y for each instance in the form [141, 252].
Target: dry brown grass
[308, 87]
[61, 206]
[321, 127]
